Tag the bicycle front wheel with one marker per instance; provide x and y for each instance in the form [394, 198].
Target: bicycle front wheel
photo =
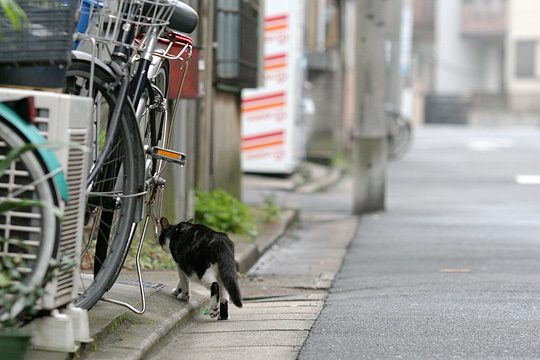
[111, 205]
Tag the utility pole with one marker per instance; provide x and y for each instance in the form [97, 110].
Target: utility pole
[369, 131]
[203, 177]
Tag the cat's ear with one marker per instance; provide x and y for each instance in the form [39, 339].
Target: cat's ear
[164, 223]
[190, 221]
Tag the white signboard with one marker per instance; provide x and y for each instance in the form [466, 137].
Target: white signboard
[273, 138]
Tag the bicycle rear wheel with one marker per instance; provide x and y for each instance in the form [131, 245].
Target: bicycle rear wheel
[111, 205]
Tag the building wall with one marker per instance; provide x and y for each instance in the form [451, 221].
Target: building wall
[323, 141]
[423, 55]
[493, 68]
[325, 75]
[524, 92]
[178, 201]
[458, 62]
[226, 140]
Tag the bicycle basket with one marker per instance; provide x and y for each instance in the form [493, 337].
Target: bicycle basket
[107, 19]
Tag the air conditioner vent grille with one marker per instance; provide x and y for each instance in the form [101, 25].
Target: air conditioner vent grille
[63, 120]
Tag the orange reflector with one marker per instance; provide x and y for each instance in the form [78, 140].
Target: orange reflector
[169, 154]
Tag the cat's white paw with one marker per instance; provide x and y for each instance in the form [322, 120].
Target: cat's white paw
[175, 292]
[183, 297]
[213, 311]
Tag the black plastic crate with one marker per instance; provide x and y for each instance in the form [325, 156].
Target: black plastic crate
[43, 43]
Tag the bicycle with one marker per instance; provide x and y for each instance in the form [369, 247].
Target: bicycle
[131, 127]
[399, 133]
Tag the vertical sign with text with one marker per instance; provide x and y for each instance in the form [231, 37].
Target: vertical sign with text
[270, 114]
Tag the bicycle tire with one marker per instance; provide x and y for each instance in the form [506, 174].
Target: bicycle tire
[399, 137]
[36, 227]
[112, 212]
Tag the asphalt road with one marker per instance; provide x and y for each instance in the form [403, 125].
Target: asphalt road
[452, 268]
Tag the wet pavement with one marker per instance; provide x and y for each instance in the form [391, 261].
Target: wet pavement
[452, 268]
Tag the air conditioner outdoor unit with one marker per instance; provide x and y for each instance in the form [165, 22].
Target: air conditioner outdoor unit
[64, 120]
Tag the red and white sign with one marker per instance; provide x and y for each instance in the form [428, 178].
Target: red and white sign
[272, 136]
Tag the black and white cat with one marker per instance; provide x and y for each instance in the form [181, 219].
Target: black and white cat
[204, 255]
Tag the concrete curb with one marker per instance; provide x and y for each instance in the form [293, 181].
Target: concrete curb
[131, 339]
[175, 320]
[251, 253]
[332, 176]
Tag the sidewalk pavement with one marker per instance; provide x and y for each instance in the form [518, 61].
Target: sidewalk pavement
[120, 334]
[283, 296]
[309, 178]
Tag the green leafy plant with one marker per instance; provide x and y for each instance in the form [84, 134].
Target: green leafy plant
[152, 257]
[14, 13]
[223, 212]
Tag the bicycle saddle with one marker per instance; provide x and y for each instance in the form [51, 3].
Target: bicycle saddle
[184, 18]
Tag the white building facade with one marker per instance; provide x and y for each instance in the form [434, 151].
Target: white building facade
[485, 63]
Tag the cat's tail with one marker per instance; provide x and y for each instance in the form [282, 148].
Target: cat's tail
[227, 271]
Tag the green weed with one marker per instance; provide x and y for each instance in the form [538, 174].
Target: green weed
[223, 212]
[271, 211]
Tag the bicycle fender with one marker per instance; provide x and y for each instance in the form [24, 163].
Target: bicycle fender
[31, 133]
[80, 55]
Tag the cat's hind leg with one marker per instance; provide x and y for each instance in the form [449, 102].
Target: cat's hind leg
[213, 309]
[223, 303]
[181, 291]
[209, 280]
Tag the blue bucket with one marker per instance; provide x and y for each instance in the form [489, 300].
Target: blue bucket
[87, 8]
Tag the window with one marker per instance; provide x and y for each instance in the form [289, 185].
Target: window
[525, 59]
